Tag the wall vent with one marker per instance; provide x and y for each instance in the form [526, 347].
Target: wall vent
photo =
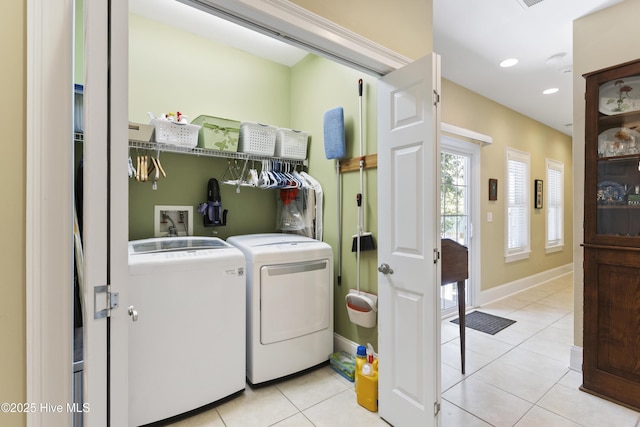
[528, 3]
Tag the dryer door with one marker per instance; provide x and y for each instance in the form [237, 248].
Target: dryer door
[294, 300]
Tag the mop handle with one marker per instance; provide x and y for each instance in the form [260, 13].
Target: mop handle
[339, 191]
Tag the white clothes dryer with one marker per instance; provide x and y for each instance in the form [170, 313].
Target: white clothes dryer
[187, 344]
[289, 303]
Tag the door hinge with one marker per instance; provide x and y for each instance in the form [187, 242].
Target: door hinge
[113, 301]
[436, 255]
[436, 408]
[436, 97]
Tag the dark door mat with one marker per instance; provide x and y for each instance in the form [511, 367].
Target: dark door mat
[484, 322]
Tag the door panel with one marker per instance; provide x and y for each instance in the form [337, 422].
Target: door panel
[407, 213]
[118, 211]
[105, 212]
[95, 212]
[408, 185]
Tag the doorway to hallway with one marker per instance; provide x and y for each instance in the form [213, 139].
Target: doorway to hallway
[460, 208]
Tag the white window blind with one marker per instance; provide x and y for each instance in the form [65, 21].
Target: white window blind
[517, 245]
[555, 205]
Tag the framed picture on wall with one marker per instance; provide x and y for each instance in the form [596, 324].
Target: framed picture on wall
[538, 193]
[493, 189]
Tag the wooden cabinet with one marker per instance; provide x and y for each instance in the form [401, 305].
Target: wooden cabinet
[611, 366]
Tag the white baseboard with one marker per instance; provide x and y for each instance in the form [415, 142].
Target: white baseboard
[507, 289]
[341, 343]
[575, 362]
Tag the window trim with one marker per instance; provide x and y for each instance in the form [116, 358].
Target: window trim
[523, 157]
[551, 164]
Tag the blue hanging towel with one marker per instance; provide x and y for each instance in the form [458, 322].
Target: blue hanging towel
[334, 145]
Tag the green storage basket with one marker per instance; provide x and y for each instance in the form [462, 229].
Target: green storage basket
[217, 133]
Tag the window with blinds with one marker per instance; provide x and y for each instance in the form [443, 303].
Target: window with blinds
[555, 205]
[517, 241]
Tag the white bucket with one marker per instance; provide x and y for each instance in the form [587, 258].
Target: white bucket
[362, 308]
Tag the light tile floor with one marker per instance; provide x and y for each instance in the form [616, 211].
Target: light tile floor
[518, 377]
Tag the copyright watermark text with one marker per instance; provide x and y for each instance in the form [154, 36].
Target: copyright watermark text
[26, 407]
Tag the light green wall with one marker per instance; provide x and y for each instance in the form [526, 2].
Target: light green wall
[319, 85]
[172, 70]
[600, 40]
[12, 215]
[466, 109]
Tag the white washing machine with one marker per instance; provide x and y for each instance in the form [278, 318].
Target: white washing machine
[289, 303]
[187, 345]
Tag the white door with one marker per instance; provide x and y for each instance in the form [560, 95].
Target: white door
[105, 213]
[409, 244]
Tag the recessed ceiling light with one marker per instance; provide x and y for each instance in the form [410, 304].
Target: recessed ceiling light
[550, 91]
[509, 62]
[554, 59]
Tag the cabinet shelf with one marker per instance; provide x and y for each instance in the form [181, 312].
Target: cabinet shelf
[618, 206]
[619, 120]
[622, 157]
[205, 152]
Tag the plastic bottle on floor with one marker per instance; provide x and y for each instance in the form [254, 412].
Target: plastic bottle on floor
[367, 384]
[361, 359]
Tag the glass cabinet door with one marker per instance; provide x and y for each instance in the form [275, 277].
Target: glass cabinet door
[612, 168]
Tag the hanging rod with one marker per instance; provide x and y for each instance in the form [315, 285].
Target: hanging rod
[206, 152]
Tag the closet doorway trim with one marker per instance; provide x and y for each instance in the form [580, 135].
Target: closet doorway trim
[295, 25]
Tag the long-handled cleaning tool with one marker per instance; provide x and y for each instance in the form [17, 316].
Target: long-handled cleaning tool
[334, 148]
[363, 241]
[360, 301]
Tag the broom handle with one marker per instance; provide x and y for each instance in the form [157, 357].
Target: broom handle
[361, 164]
[360, 124]
[359, 196]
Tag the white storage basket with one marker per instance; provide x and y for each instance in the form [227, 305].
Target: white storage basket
[180, 134]
[256, 138]
[291, 144]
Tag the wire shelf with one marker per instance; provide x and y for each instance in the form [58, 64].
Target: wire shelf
[206, 152]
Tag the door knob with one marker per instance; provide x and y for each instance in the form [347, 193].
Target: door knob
[385, 269]
[133, 313]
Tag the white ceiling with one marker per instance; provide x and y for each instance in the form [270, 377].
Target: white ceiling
[471, 36]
